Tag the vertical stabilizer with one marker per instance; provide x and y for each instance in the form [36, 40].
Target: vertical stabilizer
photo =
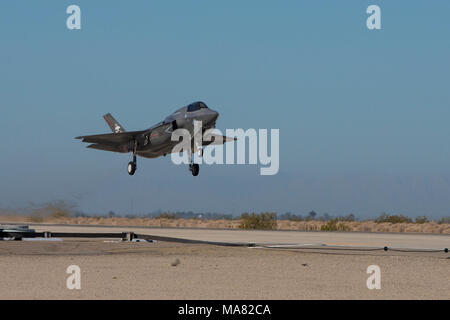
[115, 126]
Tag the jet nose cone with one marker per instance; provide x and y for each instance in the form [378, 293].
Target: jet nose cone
[215, 115]
[212, 116]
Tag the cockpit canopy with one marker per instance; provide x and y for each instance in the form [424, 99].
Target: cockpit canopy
[196, 106]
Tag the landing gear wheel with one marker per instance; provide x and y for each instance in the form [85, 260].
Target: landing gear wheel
[195, 169]
[131, 168]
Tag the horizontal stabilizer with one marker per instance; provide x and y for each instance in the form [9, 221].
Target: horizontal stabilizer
[105, 148]
[112, 139]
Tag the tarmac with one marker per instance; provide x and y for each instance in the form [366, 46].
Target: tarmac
[113, 269]
[392, 240]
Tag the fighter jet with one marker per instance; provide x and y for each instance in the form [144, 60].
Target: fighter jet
[156, 141]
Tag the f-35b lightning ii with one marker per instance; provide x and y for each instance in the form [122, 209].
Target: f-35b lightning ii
[156, 141]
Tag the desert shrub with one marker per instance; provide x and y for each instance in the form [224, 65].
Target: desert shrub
[334, 225]
[290, 217]
[393, 219]
[168, 216]
[261, 221]
[110, 214]
[312, 215]
[349, 217]
[444, 220]
[420, 220]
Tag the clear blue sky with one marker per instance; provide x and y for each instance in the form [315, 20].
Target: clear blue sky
[363, 115]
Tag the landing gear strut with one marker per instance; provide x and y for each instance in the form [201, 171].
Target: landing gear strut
[193, 167]
[132, 166]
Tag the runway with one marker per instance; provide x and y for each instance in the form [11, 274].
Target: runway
[127, 270]
[114, 269]
[391, 240]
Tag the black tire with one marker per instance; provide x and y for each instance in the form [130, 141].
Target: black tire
[195, 169]
[131, 168]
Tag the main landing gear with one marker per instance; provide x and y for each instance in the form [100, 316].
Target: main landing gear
[132, 166]
[194, 168]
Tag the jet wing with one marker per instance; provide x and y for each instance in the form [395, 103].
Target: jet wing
[111, 139]
[215, 139]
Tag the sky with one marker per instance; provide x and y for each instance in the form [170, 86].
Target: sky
[363, 114]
